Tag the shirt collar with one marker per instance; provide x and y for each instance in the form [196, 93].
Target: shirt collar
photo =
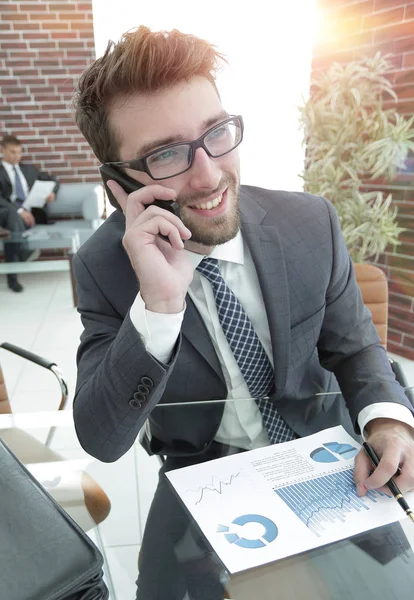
[8, 165]
[231, 251]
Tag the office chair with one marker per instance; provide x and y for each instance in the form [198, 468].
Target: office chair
[374, 289]
[78, 493]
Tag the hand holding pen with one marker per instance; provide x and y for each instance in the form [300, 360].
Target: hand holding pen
[391, 485]
[394, 442]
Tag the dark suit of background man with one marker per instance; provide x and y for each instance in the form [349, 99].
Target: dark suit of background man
[16, 180]
[152, 329]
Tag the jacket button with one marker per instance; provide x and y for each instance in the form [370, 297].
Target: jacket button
[144, 389]
[140, 397]
[147, 381]
[134, 404]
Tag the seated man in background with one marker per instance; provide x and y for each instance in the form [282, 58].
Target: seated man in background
[16, 180]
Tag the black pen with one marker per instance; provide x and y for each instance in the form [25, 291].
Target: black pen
[391, 485]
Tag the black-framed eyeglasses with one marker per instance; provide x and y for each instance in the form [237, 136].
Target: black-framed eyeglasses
[174, 159]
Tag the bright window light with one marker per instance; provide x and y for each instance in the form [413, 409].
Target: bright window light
[269, 48]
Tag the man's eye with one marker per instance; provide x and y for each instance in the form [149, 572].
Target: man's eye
[220, 132]
[163, 156]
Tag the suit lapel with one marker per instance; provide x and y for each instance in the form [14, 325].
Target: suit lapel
[29, 175]
[7, 184]
[267, 254]
[195, 331]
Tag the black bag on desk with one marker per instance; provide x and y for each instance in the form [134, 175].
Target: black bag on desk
[44, 555]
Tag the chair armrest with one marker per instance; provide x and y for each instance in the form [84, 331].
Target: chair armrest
[93, 204]
[144, 438]
[39, 360]
[402, 380]
[42, 362]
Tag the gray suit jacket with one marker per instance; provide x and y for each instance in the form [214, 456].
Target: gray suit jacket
[321, 335]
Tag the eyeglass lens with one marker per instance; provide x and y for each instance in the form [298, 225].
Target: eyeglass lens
[177, 159]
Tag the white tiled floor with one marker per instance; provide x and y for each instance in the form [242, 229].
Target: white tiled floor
[42, 319]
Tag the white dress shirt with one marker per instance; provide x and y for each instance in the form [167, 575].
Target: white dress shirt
[241, 422]
[12, 176]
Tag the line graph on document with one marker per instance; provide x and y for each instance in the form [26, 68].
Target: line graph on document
[216, 485]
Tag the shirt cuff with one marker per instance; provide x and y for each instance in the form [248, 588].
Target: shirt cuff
[384, 410]
[159, 332]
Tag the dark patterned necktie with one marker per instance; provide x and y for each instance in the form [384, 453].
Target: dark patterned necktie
[247, 350]
[20, 195]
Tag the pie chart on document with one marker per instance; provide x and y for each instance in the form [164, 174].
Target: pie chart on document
[333, 452]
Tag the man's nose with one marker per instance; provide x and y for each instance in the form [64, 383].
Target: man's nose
[205, 171]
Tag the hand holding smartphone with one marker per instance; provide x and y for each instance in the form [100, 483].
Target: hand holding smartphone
[131, 185]
[163, 271]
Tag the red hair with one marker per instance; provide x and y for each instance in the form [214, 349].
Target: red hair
[141, 62]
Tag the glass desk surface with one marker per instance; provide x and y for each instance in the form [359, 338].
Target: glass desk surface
[175, 560]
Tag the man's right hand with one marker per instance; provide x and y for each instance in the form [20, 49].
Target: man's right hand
[163, 269]
[28, 218]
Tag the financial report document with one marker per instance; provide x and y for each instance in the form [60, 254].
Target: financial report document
[266, 504]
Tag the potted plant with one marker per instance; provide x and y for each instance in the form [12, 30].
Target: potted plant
[353, 141]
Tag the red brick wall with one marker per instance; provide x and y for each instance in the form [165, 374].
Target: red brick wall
[44, 46]
[351, 30]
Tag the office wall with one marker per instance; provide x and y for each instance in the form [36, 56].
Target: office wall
[350, 30]
[44, 46]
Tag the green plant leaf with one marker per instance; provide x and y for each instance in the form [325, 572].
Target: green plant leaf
[352, 139]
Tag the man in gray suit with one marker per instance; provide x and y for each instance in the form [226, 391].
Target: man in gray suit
[249, 293]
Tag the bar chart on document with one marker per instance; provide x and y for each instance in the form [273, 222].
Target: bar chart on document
[326, 499]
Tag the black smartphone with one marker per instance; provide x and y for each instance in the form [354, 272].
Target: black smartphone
[131, 185]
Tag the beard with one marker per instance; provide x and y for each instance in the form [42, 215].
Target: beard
[220, 229]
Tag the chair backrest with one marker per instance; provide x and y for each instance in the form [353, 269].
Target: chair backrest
[374, 288]
[5, 407]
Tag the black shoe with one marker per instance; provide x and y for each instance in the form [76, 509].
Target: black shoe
[15, 286]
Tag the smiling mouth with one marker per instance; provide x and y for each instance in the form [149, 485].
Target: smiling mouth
[208, 205]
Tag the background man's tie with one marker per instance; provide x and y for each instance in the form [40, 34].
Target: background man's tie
[248, 351]
[20, 195]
